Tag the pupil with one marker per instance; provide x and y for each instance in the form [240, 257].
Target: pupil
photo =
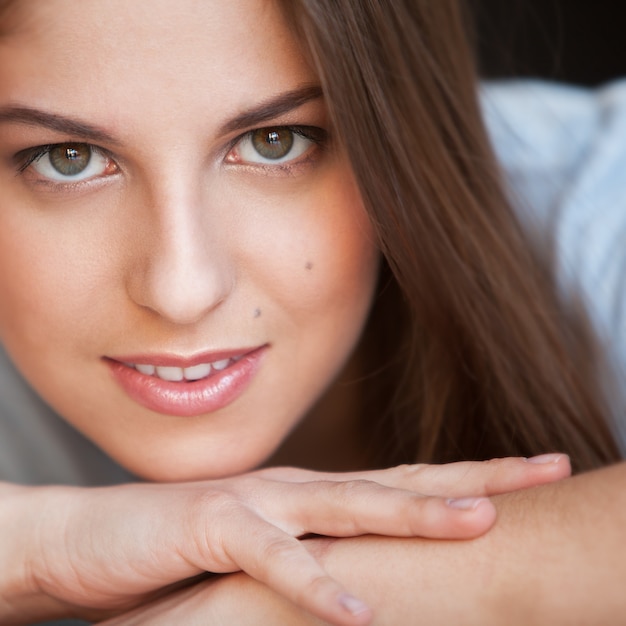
[70, 160]
[274, 143]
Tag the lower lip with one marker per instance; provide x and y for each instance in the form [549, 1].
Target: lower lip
[193, 398]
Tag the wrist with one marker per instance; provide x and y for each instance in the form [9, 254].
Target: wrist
[22, 512]
[14, 578]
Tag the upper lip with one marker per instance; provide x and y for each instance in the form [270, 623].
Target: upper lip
[174, 360]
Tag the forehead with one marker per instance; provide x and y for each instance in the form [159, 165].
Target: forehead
[149, 55]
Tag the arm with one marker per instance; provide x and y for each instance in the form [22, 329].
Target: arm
[555, 556]
[97, 552]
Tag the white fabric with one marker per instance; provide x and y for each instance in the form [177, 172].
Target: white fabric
[563, 149]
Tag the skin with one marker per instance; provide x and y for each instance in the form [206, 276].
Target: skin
[555, 557]
[94, 553]
[181, 246]
[180, 242]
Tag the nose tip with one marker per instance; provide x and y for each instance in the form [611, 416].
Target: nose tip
[185, 297]
[181, 281]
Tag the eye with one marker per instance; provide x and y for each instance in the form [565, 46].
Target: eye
[69, 162]
[275, 145]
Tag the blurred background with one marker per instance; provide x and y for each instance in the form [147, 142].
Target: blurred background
[575, 41]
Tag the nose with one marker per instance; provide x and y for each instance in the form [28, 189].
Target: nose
[180, 270]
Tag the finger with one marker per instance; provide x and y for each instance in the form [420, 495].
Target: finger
[282, 562]
[348, 509]
[487, 478]
[465, 478]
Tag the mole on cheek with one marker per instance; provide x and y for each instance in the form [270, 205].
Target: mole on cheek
[309, 265]
[257, 312]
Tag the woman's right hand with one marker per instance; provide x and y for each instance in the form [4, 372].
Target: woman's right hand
[97, 552]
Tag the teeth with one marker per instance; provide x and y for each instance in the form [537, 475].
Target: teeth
[196, 372]
[178, 374]
[174, 374]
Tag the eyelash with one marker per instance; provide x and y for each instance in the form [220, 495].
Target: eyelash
[30, 156]
[318, 138]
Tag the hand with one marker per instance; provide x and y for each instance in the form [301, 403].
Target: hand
[111, 549]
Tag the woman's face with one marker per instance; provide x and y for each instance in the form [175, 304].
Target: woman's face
[173, 206]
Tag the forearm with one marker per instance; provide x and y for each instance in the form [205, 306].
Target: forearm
[564, 550]
[554, 557]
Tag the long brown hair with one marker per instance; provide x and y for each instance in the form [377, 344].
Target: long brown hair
[472, 353]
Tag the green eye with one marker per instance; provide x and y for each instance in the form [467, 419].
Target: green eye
[70, 159]
[280, 146]
[67, 162]
[272, 143]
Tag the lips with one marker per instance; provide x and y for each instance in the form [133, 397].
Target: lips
[178, 374]
[186, 387]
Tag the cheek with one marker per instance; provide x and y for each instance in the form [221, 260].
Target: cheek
[316, 257]
[50, 278]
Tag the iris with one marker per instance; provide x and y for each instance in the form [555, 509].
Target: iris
[273, 143]
[70, 159]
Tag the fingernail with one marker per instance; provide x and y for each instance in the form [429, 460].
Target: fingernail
[464, 504]
[542, 459]
[352, 605]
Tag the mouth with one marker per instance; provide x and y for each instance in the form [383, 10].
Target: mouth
[182, 386]
[172, 373]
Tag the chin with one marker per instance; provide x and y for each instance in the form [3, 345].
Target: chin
[172, 465]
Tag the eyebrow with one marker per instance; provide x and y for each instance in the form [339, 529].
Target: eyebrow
[266, 111]
[272, 108]
[53, 121]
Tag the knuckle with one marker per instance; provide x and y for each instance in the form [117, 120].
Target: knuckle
[316, 587]
[216, 503]
[495, 464]
[411, 471]
[405, 469]
[346, 490]
[207, 530]
[279, 551]
[418, 525]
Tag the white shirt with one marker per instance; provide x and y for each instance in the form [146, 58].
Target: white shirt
[563, 149]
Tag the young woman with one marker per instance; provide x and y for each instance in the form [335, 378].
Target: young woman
[250, 233]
